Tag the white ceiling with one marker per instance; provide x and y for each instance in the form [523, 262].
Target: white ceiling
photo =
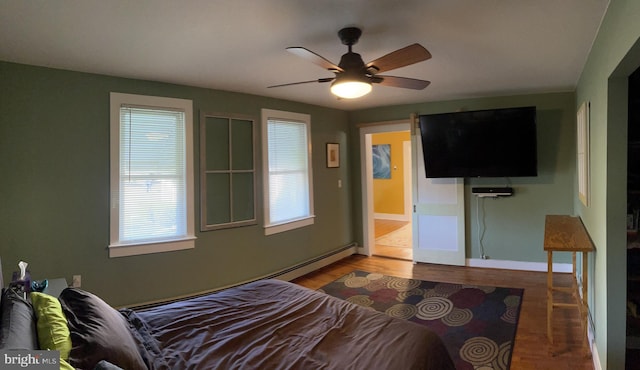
[479, 47]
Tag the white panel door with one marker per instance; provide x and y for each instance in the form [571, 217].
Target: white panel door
[438, 215]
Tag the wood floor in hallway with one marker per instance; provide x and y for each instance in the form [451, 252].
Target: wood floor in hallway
[383, 227]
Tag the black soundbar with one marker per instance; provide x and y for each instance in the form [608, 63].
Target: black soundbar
[492, 192]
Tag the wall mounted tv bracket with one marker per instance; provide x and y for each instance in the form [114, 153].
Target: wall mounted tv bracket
[492, 192]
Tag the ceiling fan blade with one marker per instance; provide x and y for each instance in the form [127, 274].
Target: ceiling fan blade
[328, 79]
[314, 58]
[404, 82]
[400, 58]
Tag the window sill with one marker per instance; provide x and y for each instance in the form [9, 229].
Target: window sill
[290, 225]
[125, 250]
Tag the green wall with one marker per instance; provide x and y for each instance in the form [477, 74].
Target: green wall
[54, 161]
[614, 55]
[514, 225]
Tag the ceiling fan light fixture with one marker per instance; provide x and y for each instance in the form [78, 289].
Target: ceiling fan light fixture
[350, 88]
[353, 78]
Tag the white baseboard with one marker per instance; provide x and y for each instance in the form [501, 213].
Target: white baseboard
[392, 216]
[596, 358]
[518, 265]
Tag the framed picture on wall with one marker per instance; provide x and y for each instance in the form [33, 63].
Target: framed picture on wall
[381, 154]
[333, 155]
[583, 153]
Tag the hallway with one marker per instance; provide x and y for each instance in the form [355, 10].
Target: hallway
[393, 239]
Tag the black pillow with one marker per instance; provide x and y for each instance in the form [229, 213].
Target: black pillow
[105, 365]
[98, 332]
[17, 322]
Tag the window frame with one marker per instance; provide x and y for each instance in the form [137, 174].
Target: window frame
[116, 247]
[205, 224]
[271, 227]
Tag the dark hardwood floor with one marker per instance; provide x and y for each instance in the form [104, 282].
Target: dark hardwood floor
[531, 349]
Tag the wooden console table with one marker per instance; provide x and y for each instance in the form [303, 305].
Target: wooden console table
[567, 234]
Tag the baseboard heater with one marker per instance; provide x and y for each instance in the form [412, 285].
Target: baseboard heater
[492, 192]
[313, 264]
[286, 274]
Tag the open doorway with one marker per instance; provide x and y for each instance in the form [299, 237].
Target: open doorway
[633, 209]
[386, 185]
[391, 177]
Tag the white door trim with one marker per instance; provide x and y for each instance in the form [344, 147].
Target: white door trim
[408, 192]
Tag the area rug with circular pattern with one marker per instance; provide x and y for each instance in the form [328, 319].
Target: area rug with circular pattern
[476, 323]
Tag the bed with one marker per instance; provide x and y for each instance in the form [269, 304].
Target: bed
[267, 324]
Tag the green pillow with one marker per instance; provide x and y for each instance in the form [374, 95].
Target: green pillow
[53, 332]
[64, 365]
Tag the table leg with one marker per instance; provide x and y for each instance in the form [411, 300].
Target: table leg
[549, 295]
[585, 301]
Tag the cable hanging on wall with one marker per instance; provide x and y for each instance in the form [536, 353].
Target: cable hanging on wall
[484, 228]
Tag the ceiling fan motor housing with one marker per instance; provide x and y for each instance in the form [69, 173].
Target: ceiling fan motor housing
[351, 62]
[349, 35]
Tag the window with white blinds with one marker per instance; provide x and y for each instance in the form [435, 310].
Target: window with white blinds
[151, 175]
[288, 173]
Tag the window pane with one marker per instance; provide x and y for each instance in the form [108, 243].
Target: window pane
[151, 142]
[150, 209]
[217, 148]
[243, 202]
[152, 174]
[218, 199]
[242, 144]
[287, 143]
[289, 196]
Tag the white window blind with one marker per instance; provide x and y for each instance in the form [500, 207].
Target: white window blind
[288, 175]
[288, 172]
[151, 175]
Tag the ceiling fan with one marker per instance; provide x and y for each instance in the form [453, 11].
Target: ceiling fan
[353, 78]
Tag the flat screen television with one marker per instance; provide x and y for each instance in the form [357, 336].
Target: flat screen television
[484, 143]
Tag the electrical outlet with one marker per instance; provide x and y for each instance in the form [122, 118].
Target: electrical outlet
[77, 281]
